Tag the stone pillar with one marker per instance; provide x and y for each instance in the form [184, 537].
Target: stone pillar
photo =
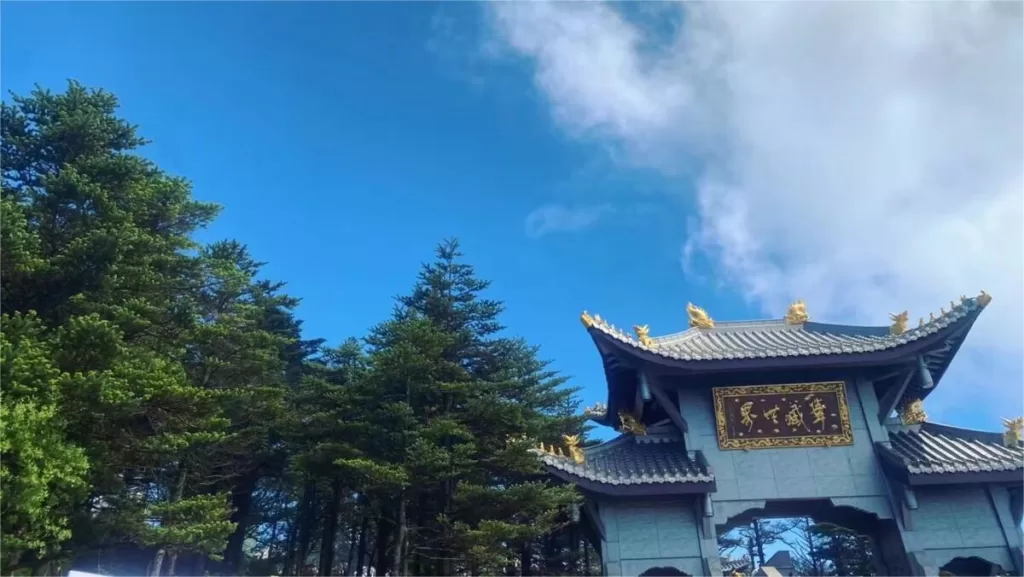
[711, 562]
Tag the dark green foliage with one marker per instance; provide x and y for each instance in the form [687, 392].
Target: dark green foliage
[162, 414]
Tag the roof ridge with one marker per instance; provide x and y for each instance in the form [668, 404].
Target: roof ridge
[968, 434]
[775, 338]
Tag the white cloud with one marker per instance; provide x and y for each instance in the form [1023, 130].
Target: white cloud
[864, 156]
[555, 218]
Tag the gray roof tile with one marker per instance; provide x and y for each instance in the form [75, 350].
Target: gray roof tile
[630, 460]
[775, 338]
[931, 448]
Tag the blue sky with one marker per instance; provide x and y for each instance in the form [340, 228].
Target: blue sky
[344, 140]
[343, 148]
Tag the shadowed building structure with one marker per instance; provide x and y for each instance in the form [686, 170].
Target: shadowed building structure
[730, 421]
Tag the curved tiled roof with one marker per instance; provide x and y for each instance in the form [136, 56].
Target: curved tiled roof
[776, 338]
[631, 460]
[939, 449]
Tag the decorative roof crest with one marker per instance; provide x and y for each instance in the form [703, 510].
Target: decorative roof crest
[586, 319]
[598, 410]
[912, 413]
[589, 320]
[630, 424]
[572, 442]
[899, 323]
[1012, 435]
[984, 298]
[643, 335]
[797, 313]
[699, 317]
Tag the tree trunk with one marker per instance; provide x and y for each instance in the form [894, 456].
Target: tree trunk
[306, 520]
[352, 535]
[526, 559]
[380, 545]
[290, 553]
[396, 561]
[241, 502]
[550, 555]
[158, 562]
[361, 555]
[330, 529]
[759, 542]
[178, 491]
[422, 509]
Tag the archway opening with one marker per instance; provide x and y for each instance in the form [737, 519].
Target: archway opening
[664, 572]
[809, 537]
[973, 566]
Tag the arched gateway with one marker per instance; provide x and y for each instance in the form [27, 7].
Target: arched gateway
[732, 419]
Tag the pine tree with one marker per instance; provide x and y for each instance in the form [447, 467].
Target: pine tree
[96, 255]
[162, 409]
[460, 398]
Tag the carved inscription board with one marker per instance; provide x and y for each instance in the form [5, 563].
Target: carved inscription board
[769, 416]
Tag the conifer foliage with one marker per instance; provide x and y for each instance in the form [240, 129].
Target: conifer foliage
[162, 413]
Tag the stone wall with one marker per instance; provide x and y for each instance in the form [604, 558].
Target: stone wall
[745, 479]
[952, 522]
[641, 535]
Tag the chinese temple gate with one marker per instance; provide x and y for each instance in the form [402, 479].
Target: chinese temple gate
[730, 421]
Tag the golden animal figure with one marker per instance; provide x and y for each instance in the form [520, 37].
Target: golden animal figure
[630, 424]
[913, 413]
[699, 317]
[797, 313]
[572, 442]
[643, 335]
[984, 298]
[899, 323]
[1012, 435]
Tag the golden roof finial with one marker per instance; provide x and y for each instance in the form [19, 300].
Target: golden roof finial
[699, 317]
[912, 413]
[586, 319]
[643, 335]
[797, 313]
[1012, 435]
[899, 323]
[984, 298]
[572, 442]
[630, 424]
[597, 410]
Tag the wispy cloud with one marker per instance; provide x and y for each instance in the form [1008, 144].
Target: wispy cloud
[557, 218]
[863, 156]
